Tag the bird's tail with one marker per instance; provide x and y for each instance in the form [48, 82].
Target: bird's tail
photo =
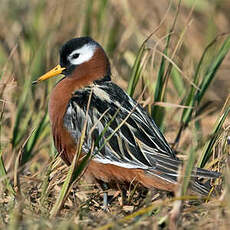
[200, 188]
[168, 169]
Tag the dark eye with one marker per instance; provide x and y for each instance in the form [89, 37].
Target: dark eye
[75, 56]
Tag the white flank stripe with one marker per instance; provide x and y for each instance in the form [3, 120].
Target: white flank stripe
[123, 165]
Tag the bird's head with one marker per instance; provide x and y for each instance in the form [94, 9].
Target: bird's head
[81, 57]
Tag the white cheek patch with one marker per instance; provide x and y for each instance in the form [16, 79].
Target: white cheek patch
[85, 54]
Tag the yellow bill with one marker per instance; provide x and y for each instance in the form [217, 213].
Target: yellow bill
[52, 73]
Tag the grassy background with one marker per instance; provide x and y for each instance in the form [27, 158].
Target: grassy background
[182, 70]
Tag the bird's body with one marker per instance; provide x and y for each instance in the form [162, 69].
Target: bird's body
[122, 151]
[132, 148]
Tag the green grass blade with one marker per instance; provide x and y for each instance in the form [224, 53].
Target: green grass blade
[178, 82]
[21, 108]
[207, 152]
[195, 96]
[88, 18]
[136, 71]
[157, 111]
[6, 180]
[113, 38]
[190, 99]
[212, 69]
[27, 150]
[64, 190]
[162, 77]
[45, 184]
[82, 166]
[101, 15]
[188, 170]
[75, 169]
[16, 131]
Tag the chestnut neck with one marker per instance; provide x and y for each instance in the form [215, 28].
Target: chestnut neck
[97, 69]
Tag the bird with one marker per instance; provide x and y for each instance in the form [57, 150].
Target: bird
[131, 147]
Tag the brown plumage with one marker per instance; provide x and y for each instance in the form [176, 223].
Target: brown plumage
[114, 174]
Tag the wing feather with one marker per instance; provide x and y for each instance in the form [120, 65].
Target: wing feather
[138, 143]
